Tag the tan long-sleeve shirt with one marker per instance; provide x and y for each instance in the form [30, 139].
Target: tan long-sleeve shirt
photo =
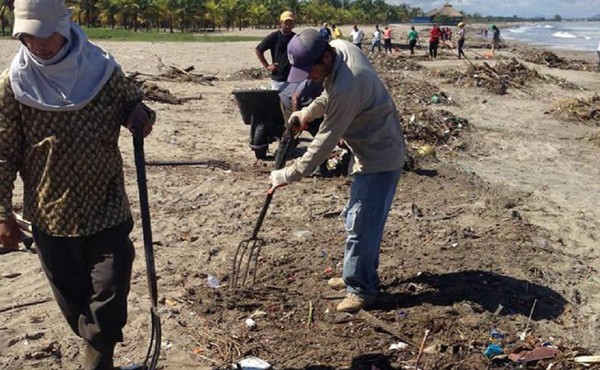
[69, 162]
[357, 108]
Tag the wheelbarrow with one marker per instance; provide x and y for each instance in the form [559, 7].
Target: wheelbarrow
[261, 109]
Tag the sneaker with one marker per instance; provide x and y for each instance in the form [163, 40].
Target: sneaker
[337, 283]
[355, 302]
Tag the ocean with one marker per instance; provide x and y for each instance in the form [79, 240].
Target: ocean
[557, 35]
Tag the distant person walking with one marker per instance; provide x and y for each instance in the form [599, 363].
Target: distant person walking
[376, 39]
[461, 39]
[495, 38]
[434, 41]
[387, 39]
[357, 36]
[413, 37]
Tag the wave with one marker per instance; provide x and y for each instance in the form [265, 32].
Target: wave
[564, 35]
[548, 26]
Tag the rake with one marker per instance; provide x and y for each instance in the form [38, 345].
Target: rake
[248, 250]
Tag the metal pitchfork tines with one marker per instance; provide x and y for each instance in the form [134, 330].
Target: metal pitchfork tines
[248, 250]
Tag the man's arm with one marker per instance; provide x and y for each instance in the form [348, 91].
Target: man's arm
[265, 45]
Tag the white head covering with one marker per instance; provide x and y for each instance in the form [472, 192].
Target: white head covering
[69, 80]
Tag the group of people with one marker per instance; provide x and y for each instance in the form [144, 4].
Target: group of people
[63, 101]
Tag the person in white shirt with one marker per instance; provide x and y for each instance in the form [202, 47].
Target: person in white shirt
[376, 39]
[357, 36]
[598, 51]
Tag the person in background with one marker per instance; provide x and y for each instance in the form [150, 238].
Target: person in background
[337, 33]
[376, 43]
[357, 35]
[387, 40]
[434, 41]
[495, 38]
[461, 39]
[358, 109]
[63, 101]
[325, 32]
[293, 98]
[276, 42]
[598, 51]
[413, 37]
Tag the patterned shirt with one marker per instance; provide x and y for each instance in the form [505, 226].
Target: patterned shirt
[69, 162]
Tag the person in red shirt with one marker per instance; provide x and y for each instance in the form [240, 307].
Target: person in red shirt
[434, 40]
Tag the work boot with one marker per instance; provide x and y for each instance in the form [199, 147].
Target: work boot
[355, 302]
[337, 283]
[99, 356]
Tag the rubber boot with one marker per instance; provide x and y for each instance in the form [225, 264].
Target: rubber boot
[99, 357]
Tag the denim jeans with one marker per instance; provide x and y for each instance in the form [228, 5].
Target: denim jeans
[371, 197]
[279, 85]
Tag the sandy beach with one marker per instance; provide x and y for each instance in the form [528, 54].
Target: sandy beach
[503, 226]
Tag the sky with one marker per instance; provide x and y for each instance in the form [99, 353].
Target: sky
[508, 8]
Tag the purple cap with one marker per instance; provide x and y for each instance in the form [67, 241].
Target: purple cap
[303, 51]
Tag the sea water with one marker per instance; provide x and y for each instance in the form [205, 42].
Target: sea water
[583, 36]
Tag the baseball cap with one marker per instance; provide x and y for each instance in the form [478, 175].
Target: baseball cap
[38, 18]
[303, 51]
[461, 24]
[286, 15]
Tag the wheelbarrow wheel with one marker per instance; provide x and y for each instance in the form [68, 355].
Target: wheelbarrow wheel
[259, 142]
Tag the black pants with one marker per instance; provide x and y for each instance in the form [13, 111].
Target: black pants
[411, 45]
[90, 279]
[461, 43]
[387, 45]
[433, 46]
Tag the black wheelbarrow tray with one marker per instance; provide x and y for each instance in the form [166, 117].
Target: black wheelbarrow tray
[261, 109]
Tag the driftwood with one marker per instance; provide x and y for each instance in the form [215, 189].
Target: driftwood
[378, 323]
[153, 92]
[26, 304]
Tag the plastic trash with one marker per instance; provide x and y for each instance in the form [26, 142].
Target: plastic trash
[435, 99]
[496, 334]
[252, 363]
[398, 346]
[250, 323]
[213, 281]
[493, 350]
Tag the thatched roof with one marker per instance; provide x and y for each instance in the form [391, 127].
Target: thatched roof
[446, 10]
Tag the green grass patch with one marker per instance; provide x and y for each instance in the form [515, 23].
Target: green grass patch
[154, 35]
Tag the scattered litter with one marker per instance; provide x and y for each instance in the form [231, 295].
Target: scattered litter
[493, 350]
[587, 359]
[250, 323]
[213, 281]
[496, 334]
[538, 353]
[398, 346]
[252, 363]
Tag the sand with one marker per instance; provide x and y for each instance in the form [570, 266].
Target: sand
[519, 224]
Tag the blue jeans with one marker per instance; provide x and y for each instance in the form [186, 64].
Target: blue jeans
[371, 197]
[279, 85]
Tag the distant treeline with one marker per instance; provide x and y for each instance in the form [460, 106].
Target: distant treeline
[209, 15]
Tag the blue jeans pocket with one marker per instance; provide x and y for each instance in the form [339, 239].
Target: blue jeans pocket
[351, 215]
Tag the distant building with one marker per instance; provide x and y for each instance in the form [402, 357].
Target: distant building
[450, 15]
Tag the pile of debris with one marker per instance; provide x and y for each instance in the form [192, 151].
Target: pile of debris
[153, 92]
[385, 63]
[408, 94]
[552, 60]
[250, 74]
[433, 127]
[584, 109]
[499, 78]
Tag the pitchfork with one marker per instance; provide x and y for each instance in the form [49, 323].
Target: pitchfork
[250, 248]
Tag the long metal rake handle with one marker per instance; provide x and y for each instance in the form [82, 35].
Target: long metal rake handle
[140, 166]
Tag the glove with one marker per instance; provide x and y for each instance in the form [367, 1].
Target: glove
[299, 121]
[278, 179]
